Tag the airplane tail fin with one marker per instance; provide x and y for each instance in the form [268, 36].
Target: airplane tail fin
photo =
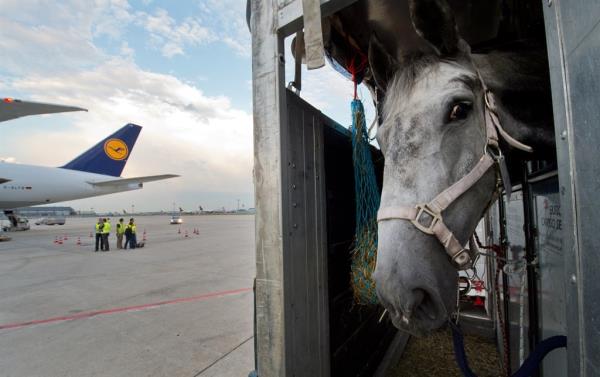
[109, 156]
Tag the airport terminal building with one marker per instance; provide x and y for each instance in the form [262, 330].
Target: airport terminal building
[50, 211]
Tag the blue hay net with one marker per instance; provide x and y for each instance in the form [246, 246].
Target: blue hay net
[364, 253]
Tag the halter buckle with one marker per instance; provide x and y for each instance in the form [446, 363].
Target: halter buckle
[462, 260]
[435, 217]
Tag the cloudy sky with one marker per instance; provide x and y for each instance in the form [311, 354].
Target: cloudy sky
[180, 69]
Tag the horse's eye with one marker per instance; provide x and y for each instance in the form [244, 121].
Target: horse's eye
[460, 111]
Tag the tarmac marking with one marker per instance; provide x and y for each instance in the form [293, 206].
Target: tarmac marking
[124, 309]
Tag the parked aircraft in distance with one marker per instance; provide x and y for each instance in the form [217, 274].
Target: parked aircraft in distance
[95, 172]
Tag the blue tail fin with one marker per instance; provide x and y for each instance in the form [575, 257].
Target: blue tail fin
[109, 156]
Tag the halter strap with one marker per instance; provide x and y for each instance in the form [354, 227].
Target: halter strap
[434, 225]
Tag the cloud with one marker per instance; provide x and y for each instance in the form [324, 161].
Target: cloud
[111, 17]
[50, 52]
[203, 138]
[62, 33]
[185, 131]
[170, 37]
[27, 48]
[227, 18]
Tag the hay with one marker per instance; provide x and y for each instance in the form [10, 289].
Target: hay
[364, 252]
[364, 258]
[434, 356]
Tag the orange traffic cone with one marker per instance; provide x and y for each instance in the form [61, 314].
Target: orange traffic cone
[55, 240]
[65, 237]
[144, 237]
[60, 241]
[78, 241]
[179, 231]
[186, 234]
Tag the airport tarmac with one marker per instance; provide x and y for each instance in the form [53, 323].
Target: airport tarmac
[180, 306]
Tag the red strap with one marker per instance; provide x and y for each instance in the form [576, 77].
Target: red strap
[355, 68]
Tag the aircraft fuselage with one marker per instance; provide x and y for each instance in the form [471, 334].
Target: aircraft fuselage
[32, 185]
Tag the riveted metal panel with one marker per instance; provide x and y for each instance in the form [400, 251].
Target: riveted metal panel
[305, 249]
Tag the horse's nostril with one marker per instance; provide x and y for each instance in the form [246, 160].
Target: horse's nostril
[425, 306]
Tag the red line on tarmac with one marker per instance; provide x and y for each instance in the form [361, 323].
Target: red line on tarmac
[124, 309]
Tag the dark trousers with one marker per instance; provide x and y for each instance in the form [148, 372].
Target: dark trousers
[99, 241]
[105, 246]
[130, 240]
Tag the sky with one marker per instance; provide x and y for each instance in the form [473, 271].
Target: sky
[179, 69]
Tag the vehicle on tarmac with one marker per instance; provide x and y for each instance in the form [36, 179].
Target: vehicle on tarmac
[16, 225]
[51, 221]
[175, 220]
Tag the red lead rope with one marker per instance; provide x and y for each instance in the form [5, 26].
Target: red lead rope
[500, 251]
[356, 68]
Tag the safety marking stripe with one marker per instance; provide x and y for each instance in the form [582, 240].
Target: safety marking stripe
[124, 309]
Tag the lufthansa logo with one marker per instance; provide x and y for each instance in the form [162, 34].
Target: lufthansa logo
[116, 149]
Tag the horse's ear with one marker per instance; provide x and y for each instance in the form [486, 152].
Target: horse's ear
[382, 64]
[434, 21]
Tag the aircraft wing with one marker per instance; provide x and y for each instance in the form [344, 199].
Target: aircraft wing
[11, 108]
[134, 180]
[4, 180]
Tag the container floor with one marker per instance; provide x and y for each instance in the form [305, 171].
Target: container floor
[434, 356]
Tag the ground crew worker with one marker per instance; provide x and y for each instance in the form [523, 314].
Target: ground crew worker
[99, 227]
[130, 238]
[106, 233]
[120, 233]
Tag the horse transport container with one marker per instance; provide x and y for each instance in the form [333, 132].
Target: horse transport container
[305, 214]
[306, 322]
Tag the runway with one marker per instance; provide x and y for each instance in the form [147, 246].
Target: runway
[180, 306]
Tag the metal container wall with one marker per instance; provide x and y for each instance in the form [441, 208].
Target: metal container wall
[573, 39]
[547, 223]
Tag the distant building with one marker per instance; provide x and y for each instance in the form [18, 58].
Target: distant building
[45, 211]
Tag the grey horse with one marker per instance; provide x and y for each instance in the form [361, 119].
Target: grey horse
[433, 133]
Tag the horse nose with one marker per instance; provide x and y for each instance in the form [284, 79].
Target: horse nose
[422, 306]
[414, 304]
[415, 284]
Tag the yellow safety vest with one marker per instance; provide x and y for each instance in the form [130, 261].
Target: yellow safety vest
[120, 228]
[99, 228]
[106, 228]
[132, 227]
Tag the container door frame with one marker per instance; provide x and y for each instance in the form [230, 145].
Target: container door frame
[573, 39]
[270, 22]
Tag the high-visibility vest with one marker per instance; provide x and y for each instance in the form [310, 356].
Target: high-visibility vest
[132, 227]
[99, 227]
[106, 228]
[120, 228]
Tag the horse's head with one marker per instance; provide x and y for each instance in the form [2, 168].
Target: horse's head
[432, 134]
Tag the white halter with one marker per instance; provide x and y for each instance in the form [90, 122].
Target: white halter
[461, 257]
